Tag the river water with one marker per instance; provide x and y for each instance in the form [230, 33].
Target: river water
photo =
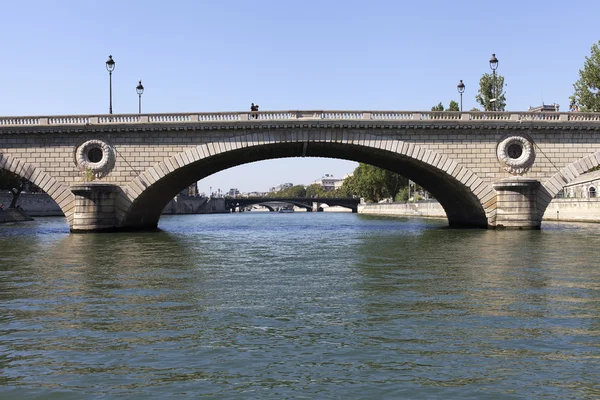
[303, 305]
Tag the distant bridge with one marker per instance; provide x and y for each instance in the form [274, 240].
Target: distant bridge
[308, 203]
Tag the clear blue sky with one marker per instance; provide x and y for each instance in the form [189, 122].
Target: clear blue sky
[223, 55]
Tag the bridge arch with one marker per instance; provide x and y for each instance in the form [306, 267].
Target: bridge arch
[466, 198]
[61, 194]
[267, 203]
[551, 186]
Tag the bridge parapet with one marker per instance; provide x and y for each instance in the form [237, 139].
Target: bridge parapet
[392, 116]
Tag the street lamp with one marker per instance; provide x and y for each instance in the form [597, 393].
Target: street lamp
[140, 89]
[110, 67]
[461, 90]
[494, 66]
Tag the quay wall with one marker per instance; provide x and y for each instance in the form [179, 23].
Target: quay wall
[573, 210]
[42, 205]
[569, 210]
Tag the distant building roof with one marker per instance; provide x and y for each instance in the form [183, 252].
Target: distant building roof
[545, 108]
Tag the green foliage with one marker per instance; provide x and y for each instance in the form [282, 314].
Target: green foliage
[587, 88]
[348, 188]
[291, 192]
[439, 107]
[453, 106]
[8, 180]
[316, 190]
[490, 89]
[373, 183]
[402, 195]
[88, 175]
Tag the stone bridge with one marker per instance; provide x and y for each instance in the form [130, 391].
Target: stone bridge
[308, 203]
[117, 172]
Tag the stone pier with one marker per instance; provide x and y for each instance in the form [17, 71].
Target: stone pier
[94, 207]
[516, 206]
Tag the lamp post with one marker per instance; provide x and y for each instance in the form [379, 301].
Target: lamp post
[110, 67]
[140, 90]
[461, 90]
[494, 66]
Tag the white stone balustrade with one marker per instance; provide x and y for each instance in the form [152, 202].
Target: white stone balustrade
[19, 121]
[257, 116]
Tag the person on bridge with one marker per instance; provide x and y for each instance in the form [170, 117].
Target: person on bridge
[254, 107]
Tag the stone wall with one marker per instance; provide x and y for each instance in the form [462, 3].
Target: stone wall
[431, 209]
[573, 210]
[34, 204]
[13, 215]
[42, 205]
[568, 210]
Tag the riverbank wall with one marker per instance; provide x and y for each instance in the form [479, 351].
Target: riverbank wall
[568, 210]
[42, 205]
[427, 209]
[13, 215]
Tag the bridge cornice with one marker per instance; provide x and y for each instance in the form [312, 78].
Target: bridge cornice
[300, 119]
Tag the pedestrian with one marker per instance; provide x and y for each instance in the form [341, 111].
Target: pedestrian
[254, 107]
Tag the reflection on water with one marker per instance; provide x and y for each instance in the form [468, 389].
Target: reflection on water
[311, 305]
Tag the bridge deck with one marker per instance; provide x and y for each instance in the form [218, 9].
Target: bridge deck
[262, 116]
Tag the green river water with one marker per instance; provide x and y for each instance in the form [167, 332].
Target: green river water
[302, 305]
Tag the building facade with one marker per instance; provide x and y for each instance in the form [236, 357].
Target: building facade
[584, 187]
[329, 182]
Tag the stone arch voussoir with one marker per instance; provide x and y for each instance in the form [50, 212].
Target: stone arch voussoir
[60, 193]
[482, 190]
[551, 186]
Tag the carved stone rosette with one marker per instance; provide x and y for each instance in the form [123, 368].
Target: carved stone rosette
[95, 155]
[516, 154]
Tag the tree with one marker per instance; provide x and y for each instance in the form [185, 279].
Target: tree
[373, 183]
[587, 88]
[453, 106]
[10, 181]
[348, 188]
[490, 89]
[315, 190]
[393, 183]
[291, 192]
[439, 107]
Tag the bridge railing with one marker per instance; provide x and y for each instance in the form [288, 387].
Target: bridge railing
[294, 115]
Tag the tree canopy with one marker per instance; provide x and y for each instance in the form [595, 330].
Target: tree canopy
[373, 183]
[8, 180]
[490, 89]
[587, 88]
[453, 106]
[291, 192]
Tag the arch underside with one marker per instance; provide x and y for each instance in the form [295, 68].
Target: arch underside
[269, 204]
[58, 192]
[550, 187]
[463, 208]
[306, 203]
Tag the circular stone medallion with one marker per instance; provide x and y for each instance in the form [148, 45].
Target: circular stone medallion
[95, 155]
[516, 154]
